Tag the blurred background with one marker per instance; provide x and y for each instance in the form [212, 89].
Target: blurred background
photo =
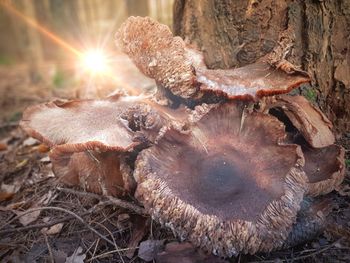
[65, 48]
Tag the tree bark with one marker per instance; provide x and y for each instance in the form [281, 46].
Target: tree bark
[314, 35]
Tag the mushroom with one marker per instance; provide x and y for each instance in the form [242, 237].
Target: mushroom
[309, 120]
[182, 70]
[90, 139]
[227, 187]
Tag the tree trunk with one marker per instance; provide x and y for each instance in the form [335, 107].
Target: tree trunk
[312, 34]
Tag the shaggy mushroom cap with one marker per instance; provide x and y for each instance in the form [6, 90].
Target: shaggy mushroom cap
[309, 120]
[228, 186]
[90, 137]
[182, 70]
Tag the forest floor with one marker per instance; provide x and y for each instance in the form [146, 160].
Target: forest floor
[43, 221]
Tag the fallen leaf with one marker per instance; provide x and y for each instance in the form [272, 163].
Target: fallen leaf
[7, 191]
[22, 163]
[27, 218]
[140, 227]
[53, 230]
[43, 148]
[59, 256]
[76, 257]
[123, 221]
[30, 142]
[3, 146]
[149, 249]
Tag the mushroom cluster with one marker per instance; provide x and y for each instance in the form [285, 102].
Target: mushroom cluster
[225, 163]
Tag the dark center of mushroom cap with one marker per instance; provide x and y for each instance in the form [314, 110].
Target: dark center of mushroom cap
[226, 182]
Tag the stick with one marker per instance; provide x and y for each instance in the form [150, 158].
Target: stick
[62, 210]
[116, 201]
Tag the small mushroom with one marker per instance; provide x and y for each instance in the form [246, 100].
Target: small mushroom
[309, 120]
[228, 186]
[182, 70]
[91, 138]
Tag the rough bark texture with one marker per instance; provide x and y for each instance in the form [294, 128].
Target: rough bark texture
[312, 34]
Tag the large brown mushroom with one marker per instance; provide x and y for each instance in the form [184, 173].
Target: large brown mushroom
[91, 138]
[165, 58]
[227, 186]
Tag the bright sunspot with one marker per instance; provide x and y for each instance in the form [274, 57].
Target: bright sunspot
[95, 61]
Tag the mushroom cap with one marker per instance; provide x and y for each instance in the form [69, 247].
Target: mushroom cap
[182, 70]
[324, 167]
[157, 54]
[249, 82]
[309, 120]
[227, 188]
[90, 137]
[80, 124]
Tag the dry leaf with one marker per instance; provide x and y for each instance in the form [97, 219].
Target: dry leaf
[140, 227]
[30, 142]
[76, 257]
[53, 230]
[148, 249]
[7, 191]
[3, 146]
[22, 164]
[28, 218]
[42, 148]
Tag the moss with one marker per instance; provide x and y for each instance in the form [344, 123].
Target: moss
[347, 162]
[311, 95]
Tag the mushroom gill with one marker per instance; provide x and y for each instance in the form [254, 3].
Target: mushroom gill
[180, 69]
[227, 186]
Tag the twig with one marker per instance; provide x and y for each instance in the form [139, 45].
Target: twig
[62, 210]
[300, 257]
[111, 234]
[112, 252]
[48, 224]
[49, 248]
[118, 202]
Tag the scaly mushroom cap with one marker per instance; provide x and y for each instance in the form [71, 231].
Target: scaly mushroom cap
[157, 54]
[90, 136]
[165, 58]
[309, 120]
[227, 186]
[325, 168]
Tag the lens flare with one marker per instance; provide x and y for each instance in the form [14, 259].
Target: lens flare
[95, 62]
